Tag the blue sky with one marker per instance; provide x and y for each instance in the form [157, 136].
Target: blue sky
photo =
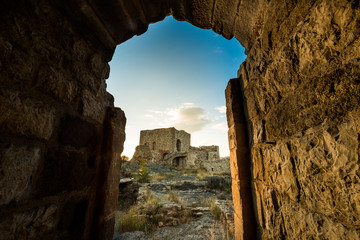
[175, 75]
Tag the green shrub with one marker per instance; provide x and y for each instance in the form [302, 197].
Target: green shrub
[143, 175]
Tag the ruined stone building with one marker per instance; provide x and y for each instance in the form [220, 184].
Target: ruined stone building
[172, 147]
[293, 114]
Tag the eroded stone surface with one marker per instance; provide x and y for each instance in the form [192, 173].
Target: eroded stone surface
[40, 222]
[18, 166]
[25, 116]
[302, 101]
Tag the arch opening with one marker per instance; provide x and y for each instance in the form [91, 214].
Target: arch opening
[181, 162]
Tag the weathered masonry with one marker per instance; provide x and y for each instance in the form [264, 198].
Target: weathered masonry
[170, 146]
[293, 114]
[164, 145]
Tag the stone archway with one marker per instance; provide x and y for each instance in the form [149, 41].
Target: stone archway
[61, 135]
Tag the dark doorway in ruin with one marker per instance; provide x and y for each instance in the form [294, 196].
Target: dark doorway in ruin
[176, 162]
[179, 162]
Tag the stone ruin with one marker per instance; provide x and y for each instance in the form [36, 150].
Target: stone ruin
[172, 147]
[293, 114]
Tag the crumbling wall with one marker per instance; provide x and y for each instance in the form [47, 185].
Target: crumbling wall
[161, 142]
[185, 140]
[196, 156]
[208, 157]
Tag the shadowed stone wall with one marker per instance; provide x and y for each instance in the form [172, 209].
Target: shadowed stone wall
[301, 84]
[300, 91]
[60, 135]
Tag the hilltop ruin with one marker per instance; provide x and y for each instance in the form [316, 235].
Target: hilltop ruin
[172, 147]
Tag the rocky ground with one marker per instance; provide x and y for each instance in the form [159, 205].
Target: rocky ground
[173, 204]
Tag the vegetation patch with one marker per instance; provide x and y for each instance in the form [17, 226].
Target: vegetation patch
[142, 175]
[174, 197]
[141, 217]
[161, 176]
[215, 210]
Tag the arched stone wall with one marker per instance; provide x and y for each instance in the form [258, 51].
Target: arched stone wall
[61, 135]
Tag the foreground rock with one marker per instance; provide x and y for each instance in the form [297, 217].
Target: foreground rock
[181, 209]
[203, 228]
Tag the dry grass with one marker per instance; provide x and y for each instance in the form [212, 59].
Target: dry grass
[207, 202]
[131, 221]
[174, 197]
[200, 173]
[161, 176]
[140, 217]
[215, 210]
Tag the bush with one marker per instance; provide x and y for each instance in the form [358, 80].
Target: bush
[143, 175]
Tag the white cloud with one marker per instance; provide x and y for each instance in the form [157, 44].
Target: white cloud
[221, 109]
[188, 117]
[220, 126]
[148, 116]
[191, 118]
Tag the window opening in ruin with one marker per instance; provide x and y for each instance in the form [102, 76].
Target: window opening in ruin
[153, 145]
[178, 145]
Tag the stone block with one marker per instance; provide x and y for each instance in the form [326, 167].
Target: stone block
[25, 116]
[18, 165]
[32, 224]
[178, 9]
[5, 52]
[200, 13]
[77, 132]
[99, 67]
[92, 106]
[224, 16]
[55, 83]
[64, 170]
[73, 216]
[156, 10]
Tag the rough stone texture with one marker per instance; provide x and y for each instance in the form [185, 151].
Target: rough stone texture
[53, 102]
[18, 166]
[300, 85]
[172, 147]
[164, 141]
[40, 222]
[108, 175]
[25, 116]
[240, 162]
